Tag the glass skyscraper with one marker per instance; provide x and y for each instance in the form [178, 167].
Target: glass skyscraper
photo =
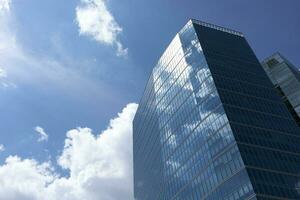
[211, 126]
[286, 79]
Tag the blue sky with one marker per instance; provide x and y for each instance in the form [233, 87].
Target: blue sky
[78, 63]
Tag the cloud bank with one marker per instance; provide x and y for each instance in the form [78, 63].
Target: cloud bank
[96, 21]
[100, 167]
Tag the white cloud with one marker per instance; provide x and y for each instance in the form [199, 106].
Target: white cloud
[43, 136]
[96, 21]
[100, 167]
[5, 5]
[2, 148]
[24, 179]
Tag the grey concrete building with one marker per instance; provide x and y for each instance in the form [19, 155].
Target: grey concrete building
[286, 79]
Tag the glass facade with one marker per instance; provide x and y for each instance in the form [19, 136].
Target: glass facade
[211, 126]
[286, 79]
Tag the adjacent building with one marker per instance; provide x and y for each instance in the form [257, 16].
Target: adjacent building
[210, 124]
[286, 79]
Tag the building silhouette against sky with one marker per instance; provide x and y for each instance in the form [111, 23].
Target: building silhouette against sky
[210, 124]
[286, 79]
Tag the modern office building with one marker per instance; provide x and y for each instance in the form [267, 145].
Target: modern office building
[211, 126]
[286, 79]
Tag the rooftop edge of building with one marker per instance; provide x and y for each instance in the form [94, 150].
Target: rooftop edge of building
[216, 27]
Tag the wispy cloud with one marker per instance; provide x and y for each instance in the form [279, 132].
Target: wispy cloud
[43, 136]
[3, 73]
[22, 66]
[4, 82]
[100, 167]
[2, 148]
[5, 5]
[96, 21]
[7, 42]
